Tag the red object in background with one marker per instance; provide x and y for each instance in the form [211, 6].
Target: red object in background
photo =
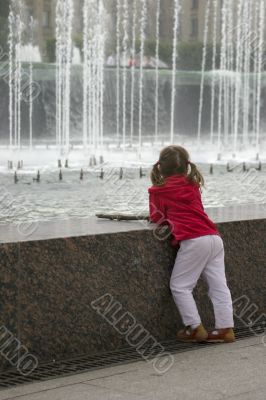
[178, 203]
[131, 62]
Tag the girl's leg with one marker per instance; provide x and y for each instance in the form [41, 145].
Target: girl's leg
[219, 293]
[191, 260]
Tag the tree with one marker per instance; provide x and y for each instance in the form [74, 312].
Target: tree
[190, 56]
[50, 49]
[4, 11]
[4, 8]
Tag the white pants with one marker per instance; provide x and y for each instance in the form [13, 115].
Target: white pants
[202, 256]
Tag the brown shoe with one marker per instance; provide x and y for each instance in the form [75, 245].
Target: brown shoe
[189, 335]
[221, 336]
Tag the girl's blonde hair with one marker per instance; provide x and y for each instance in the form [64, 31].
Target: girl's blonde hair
[175, 160]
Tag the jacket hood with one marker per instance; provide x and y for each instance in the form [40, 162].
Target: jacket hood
[176, 185]
[172, 182]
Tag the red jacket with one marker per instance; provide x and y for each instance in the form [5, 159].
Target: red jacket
[178, 203]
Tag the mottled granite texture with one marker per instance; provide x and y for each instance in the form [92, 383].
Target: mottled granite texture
[47, 286]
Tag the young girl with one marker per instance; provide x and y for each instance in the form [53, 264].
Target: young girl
[175, 199]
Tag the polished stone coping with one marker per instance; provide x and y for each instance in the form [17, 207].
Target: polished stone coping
[43, 230]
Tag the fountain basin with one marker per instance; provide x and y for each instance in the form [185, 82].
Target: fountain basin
[28, 201]
[50, 279]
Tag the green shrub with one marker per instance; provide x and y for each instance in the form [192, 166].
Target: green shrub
[165, 49]
[78, 41]
[166, 52]
[4, 8]
[50, 49]
[3, 34]
[190, 56]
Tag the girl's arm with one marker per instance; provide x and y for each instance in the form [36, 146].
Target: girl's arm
[157, 210]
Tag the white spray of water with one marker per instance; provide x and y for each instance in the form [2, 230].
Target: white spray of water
[133, 56]
[16, 27]
[260, 65]
[102, 24]
[240, 75]
[228, 67]
[18, 81]
[205, 43]
[255, 69]
[214, 54]
[31, 86]
[174, 61]
[93, 73]
[247, 17]
[99, 77]
[125, 49]
[93, 89]
[158, 10]
[118, 23]
[11, 58]
[239, 51]
[142, 48]
[86, 70]
[222, 68]
[64, 18]
[29, 52]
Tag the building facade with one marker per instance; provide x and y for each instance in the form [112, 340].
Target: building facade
[191, 27]
[44, 14]
[192, 19]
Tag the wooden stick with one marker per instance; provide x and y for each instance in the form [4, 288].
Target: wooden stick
[120, 217]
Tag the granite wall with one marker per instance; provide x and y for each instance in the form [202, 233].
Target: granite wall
[47, 287]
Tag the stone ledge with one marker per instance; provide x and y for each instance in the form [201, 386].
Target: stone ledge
[44, 230]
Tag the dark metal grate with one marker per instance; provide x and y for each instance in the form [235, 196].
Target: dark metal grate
[78, 365]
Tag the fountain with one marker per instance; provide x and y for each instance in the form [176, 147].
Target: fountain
[205, 40]
[118, 22]
[233, 89]
[157, 57]
[143, 22]
[239, 76]
[21, 85]
[175, 32]
[15, 72]
[93, 77]
[124, 113]
[64, 18]
[30, 83]
[94, 159]
[125, 64]
[214, 53]
[133, 56]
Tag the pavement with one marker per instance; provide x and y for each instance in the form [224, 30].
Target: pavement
[229, 371]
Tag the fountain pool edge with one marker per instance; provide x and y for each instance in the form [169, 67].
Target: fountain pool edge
[74, 227]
